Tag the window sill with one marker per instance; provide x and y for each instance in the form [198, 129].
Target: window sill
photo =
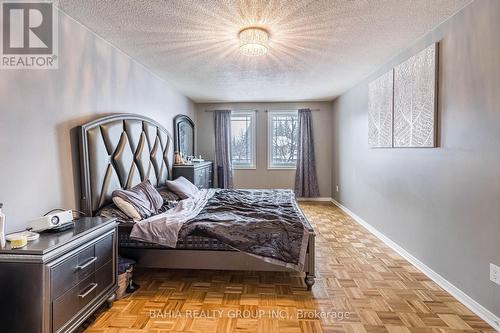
[281, 168]
[244, 168]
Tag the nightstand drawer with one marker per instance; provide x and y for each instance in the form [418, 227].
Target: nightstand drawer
[66, 306]
[72, 270]
[86, 262]
[80, 265]
[104, 251]
[104, 277]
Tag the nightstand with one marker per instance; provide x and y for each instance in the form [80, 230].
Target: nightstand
[57, 281]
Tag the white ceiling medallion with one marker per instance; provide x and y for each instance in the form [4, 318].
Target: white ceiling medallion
[253, 41]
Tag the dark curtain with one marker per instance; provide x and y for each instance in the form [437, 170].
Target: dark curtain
[223, 163]
[306, 182]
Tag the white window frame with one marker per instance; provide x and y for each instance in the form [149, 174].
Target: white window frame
[270, 114]
[252, 114]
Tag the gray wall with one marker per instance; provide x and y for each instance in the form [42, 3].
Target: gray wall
[261, 177]
[441, 205]
[39, 107]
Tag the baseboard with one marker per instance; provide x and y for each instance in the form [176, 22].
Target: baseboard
[318, 199]
[465, 299]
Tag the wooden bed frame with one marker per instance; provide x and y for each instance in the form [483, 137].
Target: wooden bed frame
[121, 150]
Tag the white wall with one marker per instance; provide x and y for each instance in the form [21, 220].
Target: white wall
[38, 108]
[261, 177]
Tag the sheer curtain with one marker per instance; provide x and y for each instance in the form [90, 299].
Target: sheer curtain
[223, 163]
[306, 182]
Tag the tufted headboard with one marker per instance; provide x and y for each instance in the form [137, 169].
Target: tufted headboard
[120, 151]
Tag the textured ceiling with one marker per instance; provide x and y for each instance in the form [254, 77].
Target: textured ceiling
[318, 49]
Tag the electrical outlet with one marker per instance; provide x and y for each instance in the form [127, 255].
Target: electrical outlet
[495, 273]
[337, 188]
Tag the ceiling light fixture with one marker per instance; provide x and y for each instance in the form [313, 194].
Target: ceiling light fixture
[253, 41]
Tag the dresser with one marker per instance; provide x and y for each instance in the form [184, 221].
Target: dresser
[57, 281]
[201, 174]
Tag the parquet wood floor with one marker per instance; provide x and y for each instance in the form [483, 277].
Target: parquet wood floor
[361, 286]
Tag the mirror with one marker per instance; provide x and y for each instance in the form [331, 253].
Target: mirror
[184, 135]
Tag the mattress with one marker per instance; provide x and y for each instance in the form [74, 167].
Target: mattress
[191, 242]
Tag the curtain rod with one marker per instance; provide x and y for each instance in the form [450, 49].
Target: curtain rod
[290, 110]
[262, 110]
[233, 110]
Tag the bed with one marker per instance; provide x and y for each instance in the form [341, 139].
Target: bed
[121, 150]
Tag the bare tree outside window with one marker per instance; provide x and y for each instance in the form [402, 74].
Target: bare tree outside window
[242, 139]
[283, 127]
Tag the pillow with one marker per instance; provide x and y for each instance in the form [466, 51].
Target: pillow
[112, 211]
[127, 208]
[167, 195]
[183, 188]
[139, 202]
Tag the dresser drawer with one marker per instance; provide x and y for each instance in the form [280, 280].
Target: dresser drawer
[75, 299]
[200, 177]
[203, 177]
[210, 177]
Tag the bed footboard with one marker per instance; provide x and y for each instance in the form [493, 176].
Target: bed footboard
[210, 258]
[309, 269]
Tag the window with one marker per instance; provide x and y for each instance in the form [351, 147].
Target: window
[282, 139]
[243, 139]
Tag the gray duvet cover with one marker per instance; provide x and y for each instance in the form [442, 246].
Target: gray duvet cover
[264, 223]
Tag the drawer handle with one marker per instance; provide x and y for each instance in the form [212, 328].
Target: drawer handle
[87, 264]
[92, 287]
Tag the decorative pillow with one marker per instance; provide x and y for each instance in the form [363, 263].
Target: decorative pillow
[183, 188]
[112, 211]
[127, 208]
[139, 202]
